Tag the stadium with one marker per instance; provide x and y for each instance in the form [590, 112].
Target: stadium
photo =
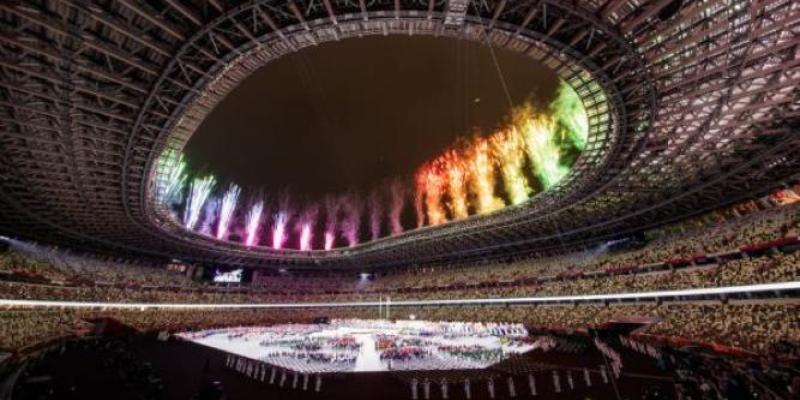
[411, 199]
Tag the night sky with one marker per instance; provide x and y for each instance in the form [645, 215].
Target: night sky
[348, 115]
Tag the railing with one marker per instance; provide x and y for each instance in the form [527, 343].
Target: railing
[667, 295]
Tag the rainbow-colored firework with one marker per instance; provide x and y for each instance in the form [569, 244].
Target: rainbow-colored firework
[531, 152]
[547, 140]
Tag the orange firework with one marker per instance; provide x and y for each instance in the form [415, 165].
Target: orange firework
[509, 148]
[456, 183]
[434, 189]
[482, 162]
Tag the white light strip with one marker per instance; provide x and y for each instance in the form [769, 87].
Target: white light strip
[767, 287]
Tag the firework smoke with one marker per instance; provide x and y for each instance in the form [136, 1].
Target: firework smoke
[227, 209]
[352, 206]
[199, 191]
[419, 199]
[398, 199]
[375, 214]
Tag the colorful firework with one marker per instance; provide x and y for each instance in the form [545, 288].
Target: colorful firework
[509, 148]
[253, 222]
[434, 181]
[199, 191]
[482, 163]
[227, 209]
[533, 151]
[174, 170]
[543, 151]
[456, 184]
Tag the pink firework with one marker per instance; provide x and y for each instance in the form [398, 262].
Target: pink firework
[279, 230]
[305, 237]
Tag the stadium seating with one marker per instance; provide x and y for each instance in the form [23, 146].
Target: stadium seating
[727, 241]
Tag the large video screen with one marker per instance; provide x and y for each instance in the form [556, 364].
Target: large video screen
[228, 276]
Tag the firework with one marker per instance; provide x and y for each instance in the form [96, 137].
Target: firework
[329, 238]
[305, 225]
[199, 191]
[532, 151]
[174, 170]
[432, 178]
[253, 221]
[456, 184]
[543, 151]
[226, 210]
[279, 230]
[509, 148]
[572, 124]
[482, 163]
[332, 205]
[305, 237]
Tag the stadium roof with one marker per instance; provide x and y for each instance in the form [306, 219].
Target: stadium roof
[692, 105]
